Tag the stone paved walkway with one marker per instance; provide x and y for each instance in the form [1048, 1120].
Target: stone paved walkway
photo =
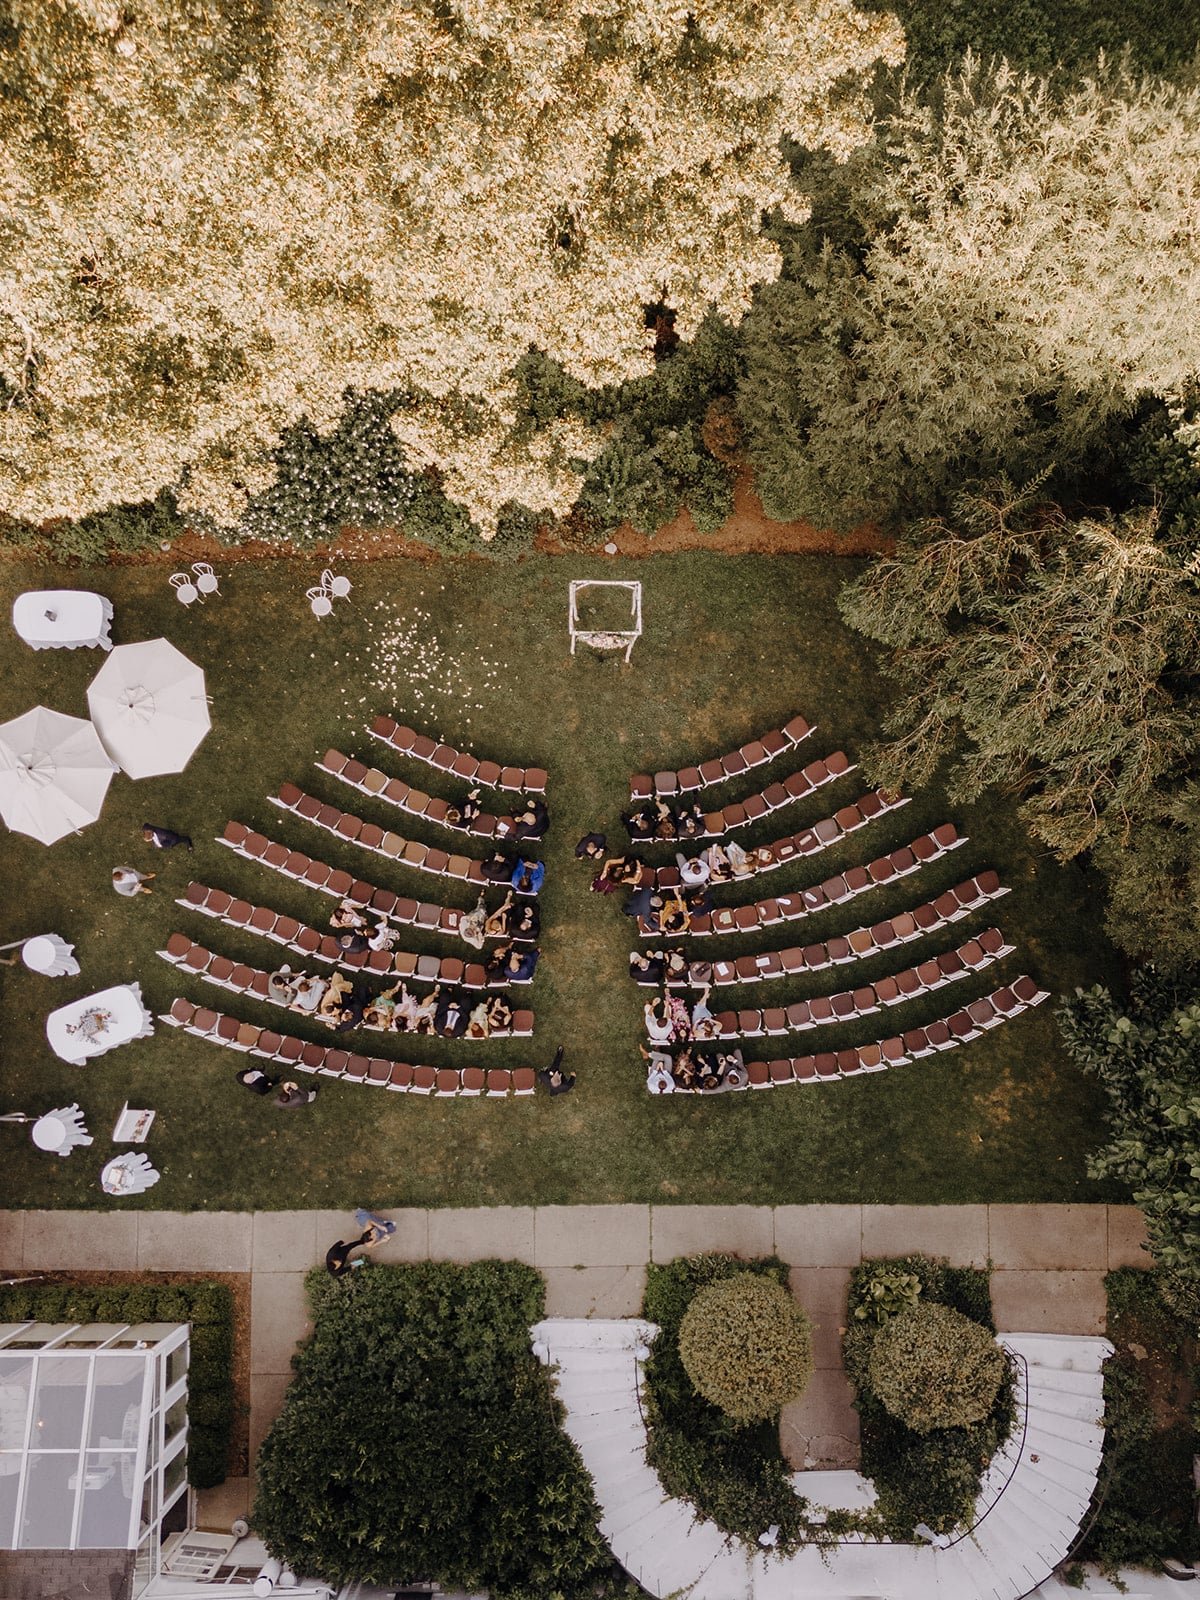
[1048, 1266]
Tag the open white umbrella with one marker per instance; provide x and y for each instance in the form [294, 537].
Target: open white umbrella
[149, 707]
[54, 774]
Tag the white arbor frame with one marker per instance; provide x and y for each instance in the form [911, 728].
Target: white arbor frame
[620, 639]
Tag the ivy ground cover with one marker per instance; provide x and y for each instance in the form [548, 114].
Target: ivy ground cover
[478, 654]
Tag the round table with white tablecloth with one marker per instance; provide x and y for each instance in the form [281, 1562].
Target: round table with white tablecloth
[98, 1022]
[51, 956]
[63, 619]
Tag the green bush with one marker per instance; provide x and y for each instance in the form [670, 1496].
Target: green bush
[885, 1292]
[734, 1474]
[934, 1368]
[747, 1346]
[209, 1309]
[119, 530]
[419, 1437]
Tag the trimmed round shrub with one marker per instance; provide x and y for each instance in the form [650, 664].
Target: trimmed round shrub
[747, 1346]
[934, 1368]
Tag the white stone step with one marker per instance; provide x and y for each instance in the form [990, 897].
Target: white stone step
[1043, 1479]
[592, 1333]
[607, 1459]
[631, 1527]
[1063, 1351]
[606, 1427]
[726, 1578]
[1065, 1380]
[1083, 1407]
[585, 1399]
[1075, 1464]
[638, 1486]
[1042, 1518]
[963, 1569]
[1087, 1434]
[1007, 1527]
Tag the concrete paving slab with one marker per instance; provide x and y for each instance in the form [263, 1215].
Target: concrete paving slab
[410, 1242]
[278, 1319]
[12, 1240]
[591, 1236]
[87, 1241]
[1049, 1302]
[286, 1241]
[505, 1233]
[1127, 1238]
[821, 1428]
[822, 1293]
[819, 1236]
[1048, 1237]
[201, 1241]
[267, 1390]
[594, 1291]
[217, 1508]
[959, 1233]
[693, 1230]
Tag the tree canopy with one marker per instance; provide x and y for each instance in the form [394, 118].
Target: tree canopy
[218, 219]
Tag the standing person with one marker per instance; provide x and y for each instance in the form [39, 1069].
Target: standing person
[591, 847]
[340, 1258]
[291, 1094]
[164, 838]
[256, 1080]
[553, 1076]
[129, 881]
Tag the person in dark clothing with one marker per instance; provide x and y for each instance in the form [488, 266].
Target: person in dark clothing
[451, 1016]
[641, 822]
[646, 968]
[164, 838]
[553, 1076]
[291, 1095]
[351, 1014]
[510, 964]
[533, 820]
[338, 1256]
[256, 1080]
[642, 901]
[591, 847]
[498, 868]
[352, 942]
[470, 808]
[523, 922]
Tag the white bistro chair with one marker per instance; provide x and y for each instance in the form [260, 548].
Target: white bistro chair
[320, 601]
[338, 588]
[186, 591]
[206, 578]
[61, 1131]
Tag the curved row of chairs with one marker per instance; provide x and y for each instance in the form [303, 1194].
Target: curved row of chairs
[380, 841]
[195, 958]
[297, 1055]
[371, 781]
[315, 946]
[754, 754]
[834, 891]
[459, 763]
[341, 885]
[810, 842]
[945, 1034]
[785, 792]
[848, 1004]
[857, 945]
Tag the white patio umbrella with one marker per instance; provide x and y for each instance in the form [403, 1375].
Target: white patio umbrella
[54, 774]
[149, 707]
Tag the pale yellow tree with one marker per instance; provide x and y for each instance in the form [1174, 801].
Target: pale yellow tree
[216, 218]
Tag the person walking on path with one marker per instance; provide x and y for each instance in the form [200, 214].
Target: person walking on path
[164, 838]
[129, 881]
[340, 1257]
[553, 1076]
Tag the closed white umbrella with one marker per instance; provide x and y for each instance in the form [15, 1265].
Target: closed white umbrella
[149, 707]
[54, 774]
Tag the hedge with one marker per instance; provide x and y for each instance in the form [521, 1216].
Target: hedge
[207, 1306]
[747, 1346]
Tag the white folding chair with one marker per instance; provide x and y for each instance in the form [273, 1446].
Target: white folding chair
[206, 578]
[186, 591]
[320, 602]
[338, 588]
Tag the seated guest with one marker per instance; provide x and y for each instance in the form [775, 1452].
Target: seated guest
[352, 942]
[353, 1012]
[642, 901]
[470, 808]
[385, 936]
[381, 1011]
[704, 1024]
[511, 965]
[281, 986]
[739, 862]
[425, 1011]
[664, 820]
[675, 969]
[348, 915]
[532, 820]
[591, 847]
[404, 1018]
[478, 1026]
[718, 863]
[646, 967]
[523, 923]
[450, 1016]
[496, 924]
[698, 901]
[728, 1060]
[617, 870]
[693, 871]
[659, 1027]
[528, 876]
[309, 993]
[334, 997]
[680, 1017]
[659, 1079]
[674, 916]
[499, 1014]
[498, 868]
[641, 822]
[690, 823]
[683, 1069]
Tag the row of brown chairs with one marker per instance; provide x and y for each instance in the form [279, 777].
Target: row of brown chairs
[297, 1055]
[834, 891]
[204, 963]
[460, 763]
[755, 754]
[829, 831]
[775, 796]
[368, 835]
[848, 1004]
[341, 885]
[370, 781]
[312, 945]
[856, 946]
[897, 1050]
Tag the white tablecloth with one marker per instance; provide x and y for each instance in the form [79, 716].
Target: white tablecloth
[127, 1018]
[67, 619]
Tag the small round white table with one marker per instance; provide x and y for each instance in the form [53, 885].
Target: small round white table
[51, 956]
[50, 1133]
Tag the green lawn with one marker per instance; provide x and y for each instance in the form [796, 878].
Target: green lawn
[477, 653]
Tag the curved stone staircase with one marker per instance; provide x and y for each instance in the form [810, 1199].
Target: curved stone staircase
[1031, 1501]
